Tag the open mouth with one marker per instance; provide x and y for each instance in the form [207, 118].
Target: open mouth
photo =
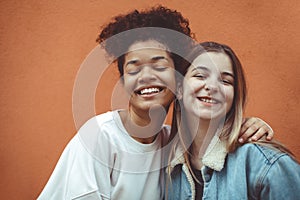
[149, 91]
[209, 100]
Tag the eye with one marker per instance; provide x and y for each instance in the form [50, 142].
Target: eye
[200, 76]
[160, 68]
[132, 70]
[226, 81]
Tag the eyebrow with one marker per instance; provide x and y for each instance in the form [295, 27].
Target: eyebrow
[200, 67]
[208, 70]
[134, 61]
[153, 59]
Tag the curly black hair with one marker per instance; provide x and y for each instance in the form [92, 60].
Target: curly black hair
[159, 23]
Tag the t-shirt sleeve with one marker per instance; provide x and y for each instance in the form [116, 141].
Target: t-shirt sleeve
[79, 171]
[56, 187]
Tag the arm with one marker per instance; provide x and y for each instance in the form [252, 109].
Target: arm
[56, 187]
[254, 128]
[73, 175]
[77, 172]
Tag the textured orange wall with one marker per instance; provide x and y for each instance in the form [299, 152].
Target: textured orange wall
[43, 44]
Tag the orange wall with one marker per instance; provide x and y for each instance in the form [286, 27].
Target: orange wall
[43, 44]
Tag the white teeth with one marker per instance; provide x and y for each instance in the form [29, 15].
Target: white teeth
[208, 100]
[149, 90]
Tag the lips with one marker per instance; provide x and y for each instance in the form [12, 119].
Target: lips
[149, 90]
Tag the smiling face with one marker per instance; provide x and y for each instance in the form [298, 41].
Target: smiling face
[208, 88]
[149, 76]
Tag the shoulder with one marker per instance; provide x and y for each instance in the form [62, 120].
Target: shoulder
[261, 160]
[257, 151]
[273, 171]
[96, 122]
[101, 119]
[267, 169]
[98, 134]
[106, 117]
[96, 125]
[93, 138]
[266, 162]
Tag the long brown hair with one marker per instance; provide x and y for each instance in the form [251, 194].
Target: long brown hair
[233, 119]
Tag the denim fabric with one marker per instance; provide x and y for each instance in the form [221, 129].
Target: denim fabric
[251, 172]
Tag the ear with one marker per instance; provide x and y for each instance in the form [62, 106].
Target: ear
[179, 90]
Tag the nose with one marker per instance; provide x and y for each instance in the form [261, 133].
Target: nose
[146, 75]
[211, 85]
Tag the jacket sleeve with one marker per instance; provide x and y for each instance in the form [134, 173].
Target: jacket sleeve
[282, 180]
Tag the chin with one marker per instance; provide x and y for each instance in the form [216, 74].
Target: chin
[210, 116]
[153, 106]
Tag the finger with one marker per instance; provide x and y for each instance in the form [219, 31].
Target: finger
[248, 133]
[258, 134]
[247, 124]
[270, 133]
[267, 129]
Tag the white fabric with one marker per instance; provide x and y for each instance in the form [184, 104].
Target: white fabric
[103, 162]
[214, 157]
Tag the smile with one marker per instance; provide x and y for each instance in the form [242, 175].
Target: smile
[208, 100]
[148, 91]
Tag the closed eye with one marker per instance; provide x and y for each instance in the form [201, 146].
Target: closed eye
[132, 69]
[133, 72]
[226, 82]
[227, 78]
[131, 62]
[160, 67]
[200, 76]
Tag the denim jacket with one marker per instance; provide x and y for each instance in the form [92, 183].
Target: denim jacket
[251, 172]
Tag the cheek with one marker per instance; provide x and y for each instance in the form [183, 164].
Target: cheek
[128, 84]
[229, 97]
[188, 92]
[170, 81]
[194, 86]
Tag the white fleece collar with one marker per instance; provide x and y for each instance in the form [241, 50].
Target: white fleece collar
[213, 158]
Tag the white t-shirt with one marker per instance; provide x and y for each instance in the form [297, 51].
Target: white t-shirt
[103, 161]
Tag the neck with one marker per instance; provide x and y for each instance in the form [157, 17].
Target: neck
[203, 132]
[143, 126]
